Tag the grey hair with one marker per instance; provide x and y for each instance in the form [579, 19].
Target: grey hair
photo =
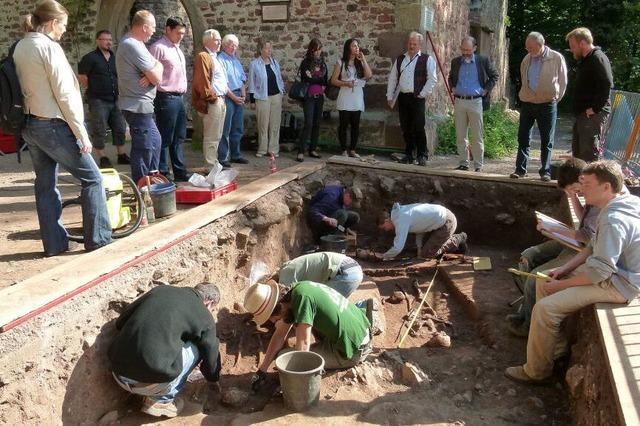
[230, 38]
[470, 39]
[208, 292]
[209, 35]
[415, 34]
[537, 37]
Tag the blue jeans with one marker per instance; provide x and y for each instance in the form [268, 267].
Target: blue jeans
[145, 144]
[545, 115]
[312, 108]
[105, 115]
[346, 281]
[229, 148]
[52, 143]
[171, 118]
[164, 392]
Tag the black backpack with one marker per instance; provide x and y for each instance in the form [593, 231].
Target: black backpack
[11, 101]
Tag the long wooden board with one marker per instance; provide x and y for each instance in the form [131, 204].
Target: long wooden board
[35, 294]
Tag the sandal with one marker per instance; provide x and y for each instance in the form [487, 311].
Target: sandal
[300, 158]
[314, 154]
[353, 154]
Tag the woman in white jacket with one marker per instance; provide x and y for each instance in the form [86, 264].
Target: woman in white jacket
[265, 93]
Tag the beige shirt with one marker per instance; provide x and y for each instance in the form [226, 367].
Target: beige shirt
[552, 83]
[49, 85]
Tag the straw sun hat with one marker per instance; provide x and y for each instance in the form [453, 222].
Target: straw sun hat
[260, 301]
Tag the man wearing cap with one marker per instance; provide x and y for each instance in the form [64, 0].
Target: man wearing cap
[340, 327]
[162, 336]
[336, 270]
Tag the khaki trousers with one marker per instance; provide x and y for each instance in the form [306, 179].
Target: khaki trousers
[468, 117]
[212, 125]
[268, 116]
[545, 339]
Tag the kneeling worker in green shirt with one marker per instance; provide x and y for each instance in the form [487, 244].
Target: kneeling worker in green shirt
[340, 327]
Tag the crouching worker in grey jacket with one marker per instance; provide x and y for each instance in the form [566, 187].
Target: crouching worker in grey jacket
[162, 336]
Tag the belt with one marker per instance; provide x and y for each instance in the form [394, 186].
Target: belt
[468, 97]
[170, 93]
[35, 117]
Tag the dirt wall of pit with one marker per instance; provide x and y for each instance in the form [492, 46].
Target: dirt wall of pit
[493, 212]
[54, 369]
[591, 393]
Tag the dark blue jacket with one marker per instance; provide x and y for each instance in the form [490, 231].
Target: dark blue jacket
[325, 203]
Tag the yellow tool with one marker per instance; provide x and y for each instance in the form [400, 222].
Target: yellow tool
[417, 311]
[527, 274]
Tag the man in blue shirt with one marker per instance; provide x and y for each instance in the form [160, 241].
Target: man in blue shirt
[229, 149]
[471, 78]
[328, 209]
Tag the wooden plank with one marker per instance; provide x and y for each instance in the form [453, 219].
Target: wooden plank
[392, 166]
[39, 291]
[622, 345]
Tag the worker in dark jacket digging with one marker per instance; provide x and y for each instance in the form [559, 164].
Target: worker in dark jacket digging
[162, 337]
[341, 329]
[329, 208]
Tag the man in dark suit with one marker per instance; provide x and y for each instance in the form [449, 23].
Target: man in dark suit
[471, 78]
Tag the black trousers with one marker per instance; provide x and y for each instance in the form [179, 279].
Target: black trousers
[349, 118]
[412, 111]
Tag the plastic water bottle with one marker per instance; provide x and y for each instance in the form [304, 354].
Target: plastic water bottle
[272, 163]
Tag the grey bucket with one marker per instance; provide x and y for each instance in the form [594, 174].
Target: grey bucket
[300, 377]
[163, 196]
[333, 242]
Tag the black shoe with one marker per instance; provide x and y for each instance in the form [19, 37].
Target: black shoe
[183, 178]
[105, 163]
[517, 176]
[314, 154]
[407, 160]
[225, 164]
[422, 161]
[123, 159]
[461, 167]
[240, 160]
[478, 169]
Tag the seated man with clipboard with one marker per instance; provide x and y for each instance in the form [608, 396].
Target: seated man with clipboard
[563, 244]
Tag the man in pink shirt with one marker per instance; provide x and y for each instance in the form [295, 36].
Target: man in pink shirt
[171, 116]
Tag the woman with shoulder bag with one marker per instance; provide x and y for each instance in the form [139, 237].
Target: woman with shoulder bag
[313, 70]
[350, 73]
[265, 94]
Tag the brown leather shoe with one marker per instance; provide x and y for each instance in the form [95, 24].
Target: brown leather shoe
[517, 374]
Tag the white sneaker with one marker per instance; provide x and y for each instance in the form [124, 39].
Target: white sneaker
[259, 155]
[159, 409]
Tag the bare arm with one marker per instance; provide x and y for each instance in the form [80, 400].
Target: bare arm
[83, 80]
[303, 337]
[367, 69]
[275, 344]
[154, 75]
[335, 76]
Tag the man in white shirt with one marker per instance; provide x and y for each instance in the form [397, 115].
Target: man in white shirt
[411, 81]
[420, 219]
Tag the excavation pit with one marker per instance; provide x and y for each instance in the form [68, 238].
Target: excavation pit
[54, 368]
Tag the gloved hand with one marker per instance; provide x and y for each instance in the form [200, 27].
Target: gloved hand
[257, 380]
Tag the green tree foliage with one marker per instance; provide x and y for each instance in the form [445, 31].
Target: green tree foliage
[615, 25]
[500, 134]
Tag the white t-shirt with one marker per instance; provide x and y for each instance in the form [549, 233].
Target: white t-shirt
[350, 99]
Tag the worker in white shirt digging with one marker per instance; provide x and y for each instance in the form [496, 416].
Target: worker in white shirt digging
[420, 219]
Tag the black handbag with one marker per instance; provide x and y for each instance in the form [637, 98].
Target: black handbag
[332, 92]
[298, 90]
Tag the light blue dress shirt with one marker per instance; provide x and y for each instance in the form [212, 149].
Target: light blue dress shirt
[533, 74]
[468, 81]
[236, 77]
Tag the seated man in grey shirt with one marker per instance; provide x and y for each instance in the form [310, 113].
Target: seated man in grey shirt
[607, 270]
[138, 75]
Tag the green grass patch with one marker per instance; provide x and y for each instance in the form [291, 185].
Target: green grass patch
[500, 134]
